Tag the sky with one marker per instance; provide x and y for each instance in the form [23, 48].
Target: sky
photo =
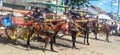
[106, 5]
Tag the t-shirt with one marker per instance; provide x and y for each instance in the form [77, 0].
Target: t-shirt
[37, 14]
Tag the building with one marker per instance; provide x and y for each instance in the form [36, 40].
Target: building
[20, 4]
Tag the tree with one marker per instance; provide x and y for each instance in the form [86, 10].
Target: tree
[77, 3]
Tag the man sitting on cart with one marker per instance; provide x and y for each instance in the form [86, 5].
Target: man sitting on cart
[38, 16]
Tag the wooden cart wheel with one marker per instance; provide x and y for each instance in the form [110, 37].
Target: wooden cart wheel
[11, 34]
[79, 34]
[25, 36]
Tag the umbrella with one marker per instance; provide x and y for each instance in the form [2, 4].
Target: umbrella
[103, 16]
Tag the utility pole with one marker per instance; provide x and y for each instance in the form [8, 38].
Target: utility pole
[56, 7]
[1, 3]
[118, 7]
[112, 6]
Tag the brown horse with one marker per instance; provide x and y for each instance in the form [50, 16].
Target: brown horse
[97, 28]
[48, 33]
[86, 25]
[72, 28]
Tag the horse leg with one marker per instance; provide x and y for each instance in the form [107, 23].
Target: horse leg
[87, 37]
[28, 41]
[45, 46]
[47, 40]
[54, 37]
[107, 37]
[73, 40]
[52, 44]
[84, 37]
[95, 35]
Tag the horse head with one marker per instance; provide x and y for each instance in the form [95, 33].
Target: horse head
[58, 25]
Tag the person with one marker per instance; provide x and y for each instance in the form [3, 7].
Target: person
[96, 24]
[69, 21]
[72, 21]
[69, 18]
[38, 16]
[30, 15]
[81, 15]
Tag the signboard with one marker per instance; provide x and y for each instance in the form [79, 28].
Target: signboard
[18, 21]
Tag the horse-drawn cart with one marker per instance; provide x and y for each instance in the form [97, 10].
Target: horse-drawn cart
[14, 23]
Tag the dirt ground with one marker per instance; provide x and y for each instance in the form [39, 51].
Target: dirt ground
[63, 47]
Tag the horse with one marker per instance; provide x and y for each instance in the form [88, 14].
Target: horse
[97, 28]
[73, 30]
[36, 28]
[86, 25]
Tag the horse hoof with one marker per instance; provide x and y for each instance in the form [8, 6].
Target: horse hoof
[107, 41]
[55, 43]
[28, 48]
[52, 49]
[95, 38]
[88, 44]
[43, 50]
[74, 48]
[83, 43]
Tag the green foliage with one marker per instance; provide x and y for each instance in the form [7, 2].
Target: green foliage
[77, 3]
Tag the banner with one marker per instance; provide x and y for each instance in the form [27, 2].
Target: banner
[18, 21]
